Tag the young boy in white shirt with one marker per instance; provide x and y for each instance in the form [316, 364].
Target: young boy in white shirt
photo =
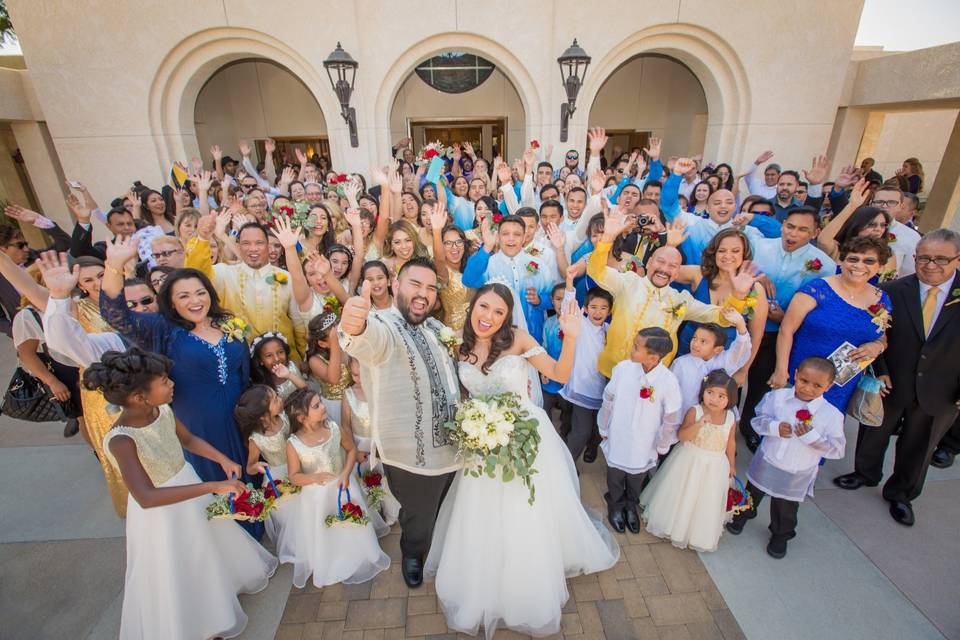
[706, 354]
[640, 403]
[584, 389]
[799, 427]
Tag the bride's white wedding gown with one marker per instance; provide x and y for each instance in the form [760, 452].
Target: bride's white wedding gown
[497, 560]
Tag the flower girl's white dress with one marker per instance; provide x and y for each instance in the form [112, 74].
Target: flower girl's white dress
[500, 561]
[687, 499]
[360, 424]
[183, 571]
[342, 553]
[273, 449]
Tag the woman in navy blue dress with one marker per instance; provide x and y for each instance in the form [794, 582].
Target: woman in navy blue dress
[827, 312]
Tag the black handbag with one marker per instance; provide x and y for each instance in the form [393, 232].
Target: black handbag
[27, 398]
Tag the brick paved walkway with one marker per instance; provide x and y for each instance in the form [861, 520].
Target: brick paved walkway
[655, 591]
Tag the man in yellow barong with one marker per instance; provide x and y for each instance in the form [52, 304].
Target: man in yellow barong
[252, 289]
[649, 300]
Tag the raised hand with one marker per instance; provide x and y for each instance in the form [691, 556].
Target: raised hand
[653, 151]
[847, 176]
[24, 215]
[196, 164]
[734, 317]
[488, 234]
[597, 180]
[683, 165]
[556, 236]
[396, 184]
[676, 233]
[468, 149]
[281, 371]
[285, 233]
[319, 263]
[301, 156]
[57, 275]
[352, 216]
[269, 146]
[576, 270]
[207, 225]
[378, 175]
[351, 190]
[287, 176]
[570, 317]
[438, 218]
[216, 152]
[504, 175]
[528, 159]
[356, 310]
[763, 157]
[614, 222]
[742, 219]
[598, 140]
[818, 170]
[859, 193]
[122, 250]
[743, 282]
[223, 221]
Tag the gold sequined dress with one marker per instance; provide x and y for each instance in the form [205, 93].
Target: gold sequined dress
[97, 421]
[455, 298]
[686, 502]
[342, 553]
[331, 394]
[183, 571]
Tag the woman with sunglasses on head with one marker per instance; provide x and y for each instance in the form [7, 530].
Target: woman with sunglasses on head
[827, 312]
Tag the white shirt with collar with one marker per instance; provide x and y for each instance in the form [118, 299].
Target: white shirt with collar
[585, 386]
[941, 299]
[904, 246]
[787, 467]
[691, 369]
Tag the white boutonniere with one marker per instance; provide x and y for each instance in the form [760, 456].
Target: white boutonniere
[449, 338]
[954, 297]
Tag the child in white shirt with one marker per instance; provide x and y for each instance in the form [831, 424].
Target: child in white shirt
[707, 354]
[641, 402]
[584, 389]
[798, 427]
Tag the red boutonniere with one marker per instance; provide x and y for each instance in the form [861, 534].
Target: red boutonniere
[646, 393]
[880, 316]
[497, 217]
[891, 238]
[534, 144]
[812, 266]
[533, 268]
[804, 416]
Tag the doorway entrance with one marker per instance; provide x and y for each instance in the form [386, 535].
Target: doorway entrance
[488, 136]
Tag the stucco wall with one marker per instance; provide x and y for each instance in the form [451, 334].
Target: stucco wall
[919, 134]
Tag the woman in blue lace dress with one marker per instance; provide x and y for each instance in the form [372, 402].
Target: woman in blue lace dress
[827, 312]
[210, 368]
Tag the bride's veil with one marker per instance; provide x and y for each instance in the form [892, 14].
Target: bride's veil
[519, 321]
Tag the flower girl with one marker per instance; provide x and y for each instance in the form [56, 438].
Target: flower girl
[687, 499]
[260, 417]
[183, 571]
[356, 416]
[342, 552]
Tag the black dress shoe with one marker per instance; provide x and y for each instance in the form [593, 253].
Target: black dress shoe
[615, 518]
[412, 570]
[633, 520]
[590, 454]
[735, 526]
[851, 481]
[902, 512]
[72, 428]
[942, 459]
[753, 442]
[777, 547]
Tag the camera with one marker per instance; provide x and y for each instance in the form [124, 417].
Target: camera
[644, 220]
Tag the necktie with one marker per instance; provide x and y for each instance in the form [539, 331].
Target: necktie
[929, 307]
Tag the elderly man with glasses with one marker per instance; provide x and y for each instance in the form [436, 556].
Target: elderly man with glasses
[903, 239]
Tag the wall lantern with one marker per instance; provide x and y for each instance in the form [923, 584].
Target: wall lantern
[346, 70]
[573, 66]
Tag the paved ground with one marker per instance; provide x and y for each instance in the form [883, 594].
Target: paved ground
[851, 573]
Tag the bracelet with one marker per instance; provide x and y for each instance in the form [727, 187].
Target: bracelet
[113, 269]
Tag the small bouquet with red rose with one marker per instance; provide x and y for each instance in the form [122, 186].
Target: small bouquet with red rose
[348, 513]
[373, 489]
[534, 144]
[298, 213]
[250, 506]
[431, 151]
[337, 183]
[646, 393]
[738, 498]
[880, 316]
[284, 491]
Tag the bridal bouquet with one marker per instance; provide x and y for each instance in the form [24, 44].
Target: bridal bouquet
[251, 505]
[494, 431]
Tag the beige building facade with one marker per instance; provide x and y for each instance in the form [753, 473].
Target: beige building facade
[115, 92]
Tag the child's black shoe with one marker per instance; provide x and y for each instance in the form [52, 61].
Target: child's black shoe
[633, 520]
[777, 547]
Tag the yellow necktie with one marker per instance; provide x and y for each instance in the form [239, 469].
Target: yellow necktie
[929, 307]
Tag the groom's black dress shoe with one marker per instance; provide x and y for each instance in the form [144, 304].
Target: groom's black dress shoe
[633, 520]
[851, 481]
[590, 454]
[616, 520]
[902, 512]
[412, 570]
[942, 459]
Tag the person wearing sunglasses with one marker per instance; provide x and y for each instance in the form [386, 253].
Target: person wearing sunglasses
[140, 297]
[167, 251]
[571, 161]
[919, 374]
[15, 247]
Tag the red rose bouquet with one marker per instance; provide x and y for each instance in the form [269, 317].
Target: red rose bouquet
[373, 489]
[534, 144]
[251, 506]
[738, 498]
[431, 151]
[285, 488]
[348, 513]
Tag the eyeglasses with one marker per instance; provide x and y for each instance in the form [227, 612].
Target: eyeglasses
[167, 254]
[867, 262]
[883, 204]
[453, 243]
[142, 302]
[23, 244]
[940, 261]
[619, 170]
[247, 186]
[572, 156]
[876, 225]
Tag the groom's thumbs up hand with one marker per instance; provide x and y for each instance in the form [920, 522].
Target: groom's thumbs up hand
[353, 318]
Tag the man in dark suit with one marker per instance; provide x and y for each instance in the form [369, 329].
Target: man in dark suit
[919, 370]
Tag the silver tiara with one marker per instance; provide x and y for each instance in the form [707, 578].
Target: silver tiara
[264, 336]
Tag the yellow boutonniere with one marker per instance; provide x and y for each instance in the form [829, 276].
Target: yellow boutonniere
[278, 277]
[678, 311]
[235, 328]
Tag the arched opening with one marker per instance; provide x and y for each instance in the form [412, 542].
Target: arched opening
[255, 99]
[455, 96]
[652, 95]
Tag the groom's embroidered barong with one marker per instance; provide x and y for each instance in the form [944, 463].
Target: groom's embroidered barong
[411, 383]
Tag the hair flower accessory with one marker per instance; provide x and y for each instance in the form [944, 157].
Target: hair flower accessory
[266, 336]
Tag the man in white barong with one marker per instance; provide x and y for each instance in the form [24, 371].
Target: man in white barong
[410, 378]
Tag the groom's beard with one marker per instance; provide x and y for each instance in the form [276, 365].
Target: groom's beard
[403, 306]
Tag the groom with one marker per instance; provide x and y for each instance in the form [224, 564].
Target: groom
[411, 383]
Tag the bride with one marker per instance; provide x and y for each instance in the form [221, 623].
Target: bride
[497, 560]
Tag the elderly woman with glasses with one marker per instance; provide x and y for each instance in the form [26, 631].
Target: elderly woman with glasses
[828, 312]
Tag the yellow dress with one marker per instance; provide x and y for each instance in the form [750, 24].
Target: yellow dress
[98, 422]
[455, 298]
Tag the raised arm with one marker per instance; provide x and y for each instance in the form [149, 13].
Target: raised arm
[608, 278]
[149, 330]
[23, 282]
[198, 255]
[559, 369]
[367, 338]
[289, 238]
[827, 241]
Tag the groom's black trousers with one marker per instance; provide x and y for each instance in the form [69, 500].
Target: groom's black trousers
[419, 497]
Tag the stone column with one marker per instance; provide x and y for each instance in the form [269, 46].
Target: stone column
[43, 166]
[848, 131]
[942, 208]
